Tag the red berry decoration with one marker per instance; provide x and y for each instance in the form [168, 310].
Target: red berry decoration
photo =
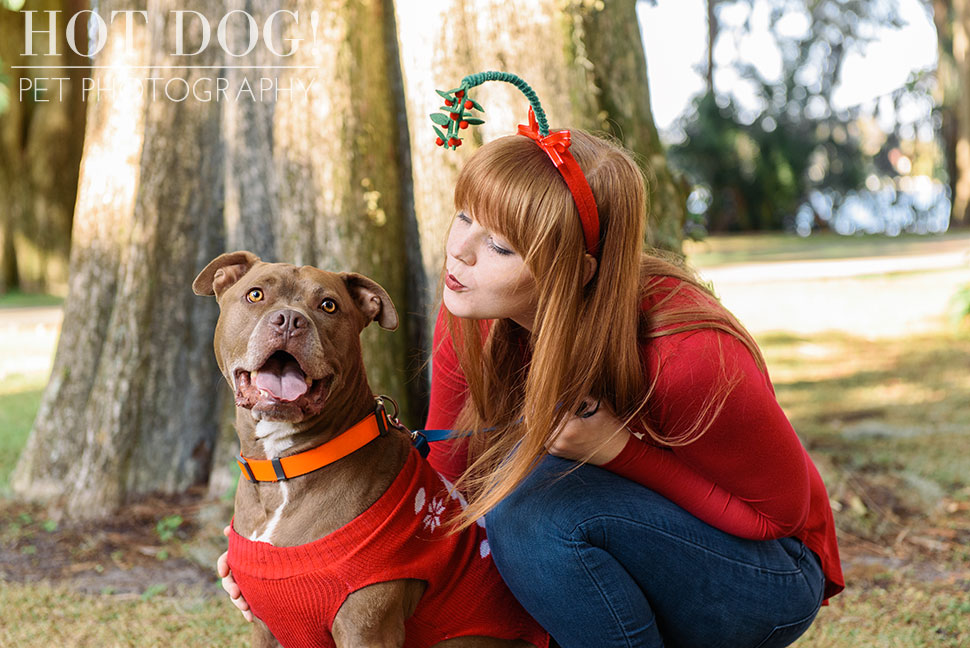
[455, 115]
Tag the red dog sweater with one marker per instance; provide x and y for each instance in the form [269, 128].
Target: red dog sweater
[297, 591]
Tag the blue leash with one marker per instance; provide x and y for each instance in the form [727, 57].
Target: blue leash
[421, 439]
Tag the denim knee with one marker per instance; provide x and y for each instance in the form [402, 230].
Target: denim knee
[537, 517]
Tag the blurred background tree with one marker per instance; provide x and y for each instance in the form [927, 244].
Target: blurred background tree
[772, 150]
[40, 148]
[952, 21]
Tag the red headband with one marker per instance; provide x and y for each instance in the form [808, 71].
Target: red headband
[556, 146]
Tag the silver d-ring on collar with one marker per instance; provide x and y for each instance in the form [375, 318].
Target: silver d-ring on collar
[391, 418]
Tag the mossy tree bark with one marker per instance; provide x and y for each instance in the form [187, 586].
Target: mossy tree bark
[607, 45]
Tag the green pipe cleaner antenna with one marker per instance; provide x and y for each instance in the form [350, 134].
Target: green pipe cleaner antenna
[458, 105]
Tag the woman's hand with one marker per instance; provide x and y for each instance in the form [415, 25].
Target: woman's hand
[597, 436]
[229, 583]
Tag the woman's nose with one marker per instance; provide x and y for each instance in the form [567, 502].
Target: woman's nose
[460, 247]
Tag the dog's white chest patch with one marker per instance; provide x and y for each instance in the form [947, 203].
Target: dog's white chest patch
[276, 438]
[267, 534]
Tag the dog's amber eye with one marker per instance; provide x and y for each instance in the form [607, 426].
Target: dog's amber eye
[254, 296]
[328, 306]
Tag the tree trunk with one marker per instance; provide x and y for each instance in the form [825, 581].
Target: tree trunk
[322, 178]
[41, 137]
[607, 38]
[587, 66]
[947, 89]
[952, 20]
[308, 178]
[130, 406]
[339, 155]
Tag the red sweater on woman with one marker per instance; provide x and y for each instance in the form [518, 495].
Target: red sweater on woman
[748, 474]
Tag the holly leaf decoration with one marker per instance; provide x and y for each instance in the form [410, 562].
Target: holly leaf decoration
[441, 120]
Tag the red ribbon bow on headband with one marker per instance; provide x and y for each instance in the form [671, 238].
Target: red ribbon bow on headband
[556, 145]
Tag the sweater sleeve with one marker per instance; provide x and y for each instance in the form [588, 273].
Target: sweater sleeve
[448, 393]
[747, 474]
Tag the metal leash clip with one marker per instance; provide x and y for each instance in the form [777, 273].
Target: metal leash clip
[392, 419]
[418, 440]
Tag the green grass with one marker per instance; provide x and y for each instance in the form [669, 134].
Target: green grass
[892, 613]
[53, 615]
[16, 299]
[19, 402]
[756, 248]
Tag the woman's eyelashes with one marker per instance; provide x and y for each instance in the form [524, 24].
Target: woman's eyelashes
[495, 247]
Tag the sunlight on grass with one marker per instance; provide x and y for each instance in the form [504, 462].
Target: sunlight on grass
[747, 248]
[888, 425]
[830, 384]
[19, 400]
[67, 619]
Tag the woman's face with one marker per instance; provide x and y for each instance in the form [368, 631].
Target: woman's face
[486, 278]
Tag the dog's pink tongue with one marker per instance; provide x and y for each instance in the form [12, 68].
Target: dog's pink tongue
[284, 380]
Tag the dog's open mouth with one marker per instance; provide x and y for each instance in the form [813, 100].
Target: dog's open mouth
[281, 387]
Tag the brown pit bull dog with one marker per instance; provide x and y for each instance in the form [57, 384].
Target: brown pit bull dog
[337, 537]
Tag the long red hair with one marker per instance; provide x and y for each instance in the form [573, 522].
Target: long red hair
[586, 338]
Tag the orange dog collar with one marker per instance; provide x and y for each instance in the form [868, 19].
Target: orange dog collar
[344, 444]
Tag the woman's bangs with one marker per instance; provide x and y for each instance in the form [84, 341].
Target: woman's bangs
[504, 186]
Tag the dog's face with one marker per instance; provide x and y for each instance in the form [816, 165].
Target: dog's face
[287, 336]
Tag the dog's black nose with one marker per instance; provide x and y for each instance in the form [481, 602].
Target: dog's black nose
[288, 322]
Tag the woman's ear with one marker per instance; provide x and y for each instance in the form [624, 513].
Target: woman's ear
[589, 270]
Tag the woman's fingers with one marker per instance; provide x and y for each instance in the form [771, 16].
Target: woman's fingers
[222, 565]
[229, 584]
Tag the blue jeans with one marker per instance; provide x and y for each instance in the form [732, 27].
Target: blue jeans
[601, 561]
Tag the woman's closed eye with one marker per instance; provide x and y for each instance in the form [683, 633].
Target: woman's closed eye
[495, 247]
[490, 241]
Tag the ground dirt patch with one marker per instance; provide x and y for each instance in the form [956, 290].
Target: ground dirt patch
[149, 546]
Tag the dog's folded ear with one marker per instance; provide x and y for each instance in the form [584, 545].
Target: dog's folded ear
[372, 300]
[222, 272]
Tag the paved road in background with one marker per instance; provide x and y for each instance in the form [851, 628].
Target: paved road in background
[873, 297]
